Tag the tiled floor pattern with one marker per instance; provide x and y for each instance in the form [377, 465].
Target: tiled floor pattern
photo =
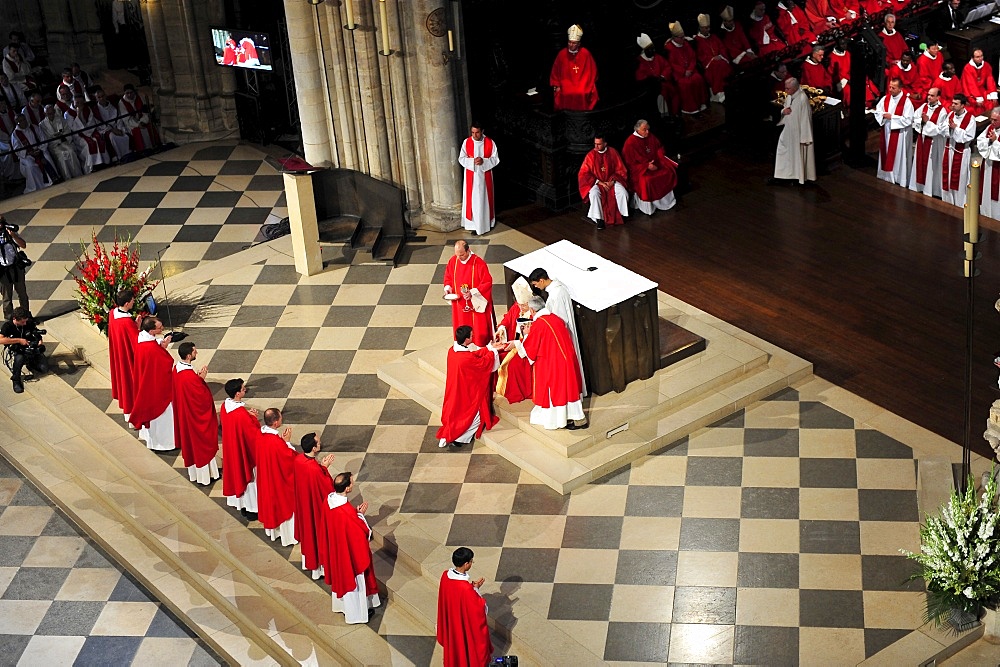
[63, 601]
[769, 538]
[192, 204]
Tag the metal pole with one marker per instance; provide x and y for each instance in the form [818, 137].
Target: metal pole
[971, 239]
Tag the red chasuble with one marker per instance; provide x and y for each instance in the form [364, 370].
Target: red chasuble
[649, 185]
[800, 30]
[717, 70]
[690, 84]
[467, 391]
[927, 71]
[817, 75]
[312, 486]
[474, 273]
[979, 82]
[348, 552]
[948, 88]
[153, 380]
[196, 426]
[606, 166]
[514, 376]
[275, 480]
[461, 624]
[910, 79]
[240, 431]
[658, 69]
[895, 46]
[576, 76]
[557, 372]
[123, 336]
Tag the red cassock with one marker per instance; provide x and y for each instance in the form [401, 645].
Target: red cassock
[229, 54]
[840, 69]
[467, 391]
[123, 336]
[658, 69]
[735, 42]
[948, 88]
[797, 31]
[928, 69]
[690, 83]
[895, 46]
[817, 11]
[712, 57]
[240, 431]
[514, 377]
[979, 82]
[153, 380]
[816, 75]
[461, 624]
[760, 29]
[649, 185]
[910, 79]
[196, 426]
[557, 372]
[576, 76]
[348, 552]
[312, 486]
[871, 93]
[474, 273]
[275, 480]
[606, 166]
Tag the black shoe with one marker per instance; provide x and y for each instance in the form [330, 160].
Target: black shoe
[771, 180]
[243, 511]
[600, 224]
[18, 386]
[570, 426]
[455, 444]
[251, 516]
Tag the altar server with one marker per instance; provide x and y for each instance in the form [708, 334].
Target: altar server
[478, 155]
[925, 175]
[123, 336]
[468, 391]
[348, 567]
[894, 113]
[313, 485]
[196, 425]
[152, 412]
[276, 479]
[240, 429]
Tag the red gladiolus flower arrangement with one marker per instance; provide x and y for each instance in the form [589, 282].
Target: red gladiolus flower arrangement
[101, 273]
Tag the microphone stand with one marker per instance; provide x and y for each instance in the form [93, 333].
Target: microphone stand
[163, 281]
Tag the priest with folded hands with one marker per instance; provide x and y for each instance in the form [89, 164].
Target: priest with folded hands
[123, 336]
[152, 412]
[276, 479]
[313, 485]
[240, 429]
[348, 567]
[196, 426]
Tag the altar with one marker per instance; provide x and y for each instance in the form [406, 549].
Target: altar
[616, 315]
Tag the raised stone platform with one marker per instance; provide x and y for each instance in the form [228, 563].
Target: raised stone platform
[733, 371]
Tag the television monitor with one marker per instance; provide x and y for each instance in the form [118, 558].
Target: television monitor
[242, 48]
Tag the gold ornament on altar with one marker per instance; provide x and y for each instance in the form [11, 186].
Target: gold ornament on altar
[817, 99]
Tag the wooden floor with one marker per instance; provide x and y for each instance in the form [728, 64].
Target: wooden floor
[862, 278]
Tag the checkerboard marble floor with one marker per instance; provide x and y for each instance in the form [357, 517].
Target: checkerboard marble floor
[769, 538]
[63, 601]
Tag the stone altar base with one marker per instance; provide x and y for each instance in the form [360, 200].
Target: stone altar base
[733, 371]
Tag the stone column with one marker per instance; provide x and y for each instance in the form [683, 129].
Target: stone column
[303, 223]
[304, 41]
[73, 34]
[195, 97]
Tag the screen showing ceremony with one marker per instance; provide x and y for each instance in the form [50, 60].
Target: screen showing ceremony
[242, 48]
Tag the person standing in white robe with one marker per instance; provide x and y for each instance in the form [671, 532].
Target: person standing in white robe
[959, 128]
[989, 148]
[925, 174]
[894, 113]
[59, 144]
[35, 161]
[795, 158]
[560, 303]
[478, 155]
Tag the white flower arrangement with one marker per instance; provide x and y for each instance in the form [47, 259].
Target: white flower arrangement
[960, 553]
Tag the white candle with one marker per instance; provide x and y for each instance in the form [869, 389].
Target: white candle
[349, 8]
[385, 31]
[451, 41]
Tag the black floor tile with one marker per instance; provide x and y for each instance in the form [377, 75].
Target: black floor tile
[704, 604]
[225, 295]
[111, 233]
[491, 469]
[877, 639]
[889, 573]
[763, 570]
[424, 497]
[328, 361]
[361, 385]
[763, 645]
[434, 316]
[197, 233]
[58, 252]
[39, 290]
[270, 385]
[91, 217]
[518, 564]
[219, 199]
[709, 534]
[735, 420]
[592, 532]
[166, 168]
[66, 200]
[214, 153]
[349, 316]
[39, 233]
[876, 445]
[129, 590]
[278, 274]
[477, 530]
[117, 184]
[385, 338]
[831, 609]
[142, 200]
[402, 295]
[378, 467]
[829, 537]
[27, 495]
[714, 471]
[654, 501]
[308, 411]
[13, 549]
[770, 442]
[580, 602]
[769, 503]
[171, 268]
[887, 505]
[190, 183]
[828, 473]
[813, 414]
[239, 167]
[258, 316]
[249, 215]
[646, 568]
[59, 526]
[101, 651]
[346, 438]
[11, 648]
[292, 338]
[91, 556]
[69, 618]
[403, 411]
[165, 624]
[616, 478]
[679, 448]
[169, 216]
[367, 275]
[266, 182]
[234, 362]
[318, 295]
[637, 642]
[420, 254]
[538, 499]
[207, 338]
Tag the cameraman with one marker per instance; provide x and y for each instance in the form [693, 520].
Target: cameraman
[11, 270]
[20, 336]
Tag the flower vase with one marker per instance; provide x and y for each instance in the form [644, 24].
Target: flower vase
[991, 621]
[962, 620]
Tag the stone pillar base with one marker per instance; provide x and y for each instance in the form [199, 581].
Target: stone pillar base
[303, 223]
[438, 218]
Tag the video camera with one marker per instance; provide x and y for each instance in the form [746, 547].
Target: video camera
[34, 338]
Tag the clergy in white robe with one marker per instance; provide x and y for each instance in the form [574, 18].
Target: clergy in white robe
[13, 95]
[894, 113]
[110, 124]
[60, 147]
[33, 156]
[478, 155]
[959, 128]
[90, 144]
[8, 165]
[925, 174]
[989, 148]
[560, 303]
[795, 158]
[136, 120]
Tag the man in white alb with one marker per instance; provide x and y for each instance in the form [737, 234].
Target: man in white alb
[989, 147]
[894, 113]
[959, 128]
[795, 158]
[478, 155]
[925, 175]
